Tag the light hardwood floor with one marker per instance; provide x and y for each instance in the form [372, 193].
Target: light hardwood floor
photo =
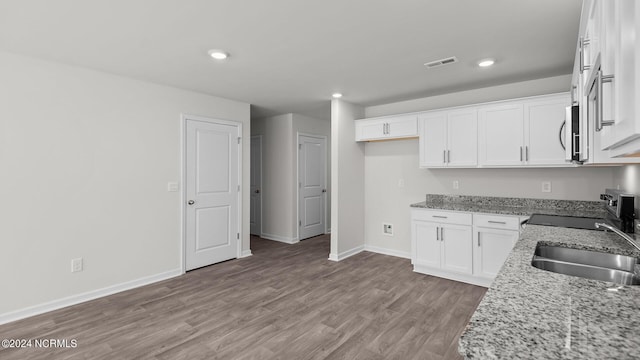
[284, 302]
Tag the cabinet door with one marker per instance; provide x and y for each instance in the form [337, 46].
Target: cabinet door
[370, 130]
[402, 126]
[456, 243]
[433, 139]
[426, 244]
[500, 135]
[626, 77]
[462, 138]
[491, 247]
[543, 122]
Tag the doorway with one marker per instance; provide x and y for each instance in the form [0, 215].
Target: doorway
[212, 175]
[312, 188]
[256, 186]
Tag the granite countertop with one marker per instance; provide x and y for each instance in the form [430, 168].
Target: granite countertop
[512, 206]
[529, 313]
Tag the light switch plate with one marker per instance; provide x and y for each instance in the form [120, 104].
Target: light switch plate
[546, 186]
[173, 186]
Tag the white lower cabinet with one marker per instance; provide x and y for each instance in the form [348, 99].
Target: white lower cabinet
[460, 246]
[490, 250]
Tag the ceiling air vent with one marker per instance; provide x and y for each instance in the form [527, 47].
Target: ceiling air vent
[446, 61]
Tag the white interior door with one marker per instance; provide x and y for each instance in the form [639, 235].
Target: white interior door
[256, 185]
[312, 185]
[212, 192]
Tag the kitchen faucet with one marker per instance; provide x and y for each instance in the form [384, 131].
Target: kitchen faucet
[623, 235]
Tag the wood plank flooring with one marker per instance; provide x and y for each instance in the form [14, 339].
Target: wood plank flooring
[284, 302]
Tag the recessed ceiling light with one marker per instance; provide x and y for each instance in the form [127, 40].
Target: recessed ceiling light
[218, 54]
[486, 62]
[336, 95]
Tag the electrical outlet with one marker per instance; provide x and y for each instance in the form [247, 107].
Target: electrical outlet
[76, 265]
[173, 187]
[387, 229]
[546, 186]
[456, 184]
[400, 183]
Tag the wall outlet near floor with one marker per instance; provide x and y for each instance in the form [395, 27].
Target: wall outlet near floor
[400, 183]
[76, 265]
[456, 184]
[387, 229]
[546, 186]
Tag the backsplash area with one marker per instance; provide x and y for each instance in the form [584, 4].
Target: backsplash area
[628, 179]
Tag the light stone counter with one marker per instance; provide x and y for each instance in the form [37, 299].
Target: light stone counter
[529, 313]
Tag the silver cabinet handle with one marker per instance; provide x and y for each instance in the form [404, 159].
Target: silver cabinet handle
[497, 222]
[439, 216]
[388, 128]
[444, 156]
[448, 156]
[191, 202]
[441, 234]
[583, 42]
[575, 144]
[600, 122]
[478, 238]
[520, 153]
[437, 233]
[526, 149]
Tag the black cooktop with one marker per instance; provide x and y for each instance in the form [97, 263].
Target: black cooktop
[575, 222]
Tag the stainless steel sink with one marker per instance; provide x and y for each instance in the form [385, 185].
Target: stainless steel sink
[588, 264]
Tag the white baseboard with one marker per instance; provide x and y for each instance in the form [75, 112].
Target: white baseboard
[245, 253]
[345, 254]
[390, 252]
[465, 278]
[80, 298]
[284, 239]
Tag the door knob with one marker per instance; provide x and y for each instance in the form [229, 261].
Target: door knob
[324, 190]
[191, 202]
[257, 191]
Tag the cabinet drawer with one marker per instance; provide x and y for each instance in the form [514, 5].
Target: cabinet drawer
[497, 222]
[442, 217]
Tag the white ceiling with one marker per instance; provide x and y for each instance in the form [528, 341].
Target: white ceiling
[290, 55]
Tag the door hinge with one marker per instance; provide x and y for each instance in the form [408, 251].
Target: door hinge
[299, 146]
[238, 188]
[239, 139]
[300, 223]
[238, 236]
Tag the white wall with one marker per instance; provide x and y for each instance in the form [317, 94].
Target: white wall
[280, 170]
[388, 162]
[277, 182]
[85, 158]
[347, 181]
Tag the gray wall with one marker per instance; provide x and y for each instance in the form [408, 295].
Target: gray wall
[86, 157]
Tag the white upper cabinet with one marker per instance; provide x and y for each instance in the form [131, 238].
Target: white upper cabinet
[622, 24]
[501, 135]
[608, 65]
[387, 128]
[544, 129]
[525, 132]
[448, 138]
